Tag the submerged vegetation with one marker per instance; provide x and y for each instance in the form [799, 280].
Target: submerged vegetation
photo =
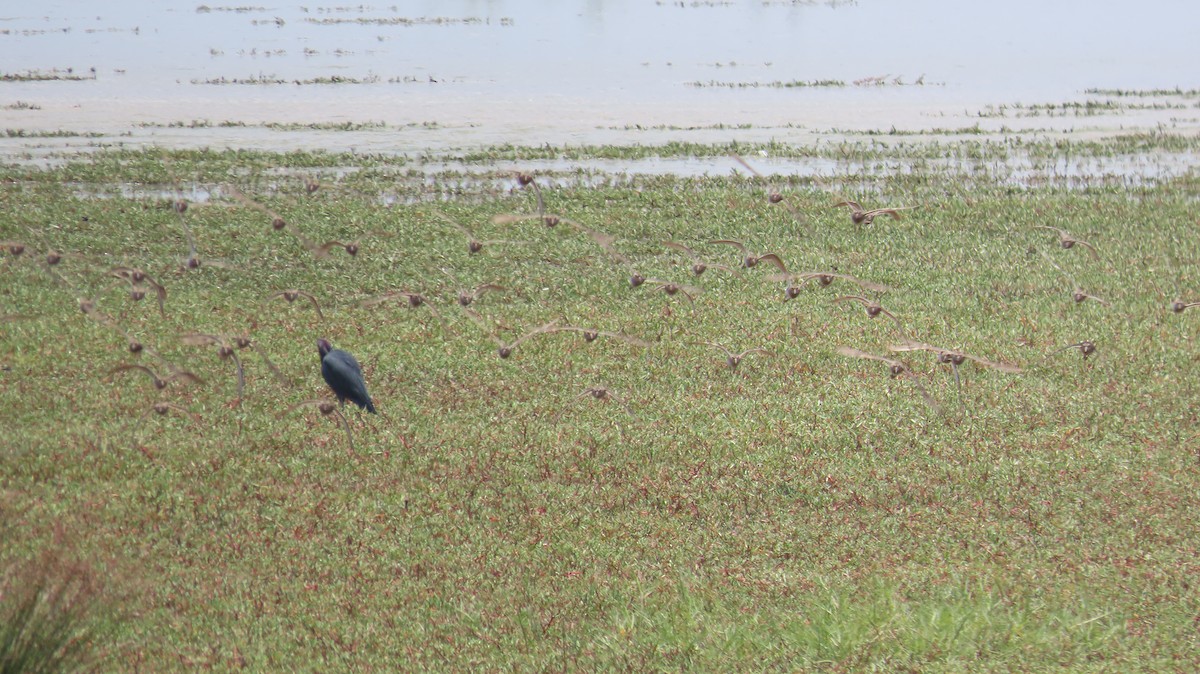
[772, 85]
[54, 74]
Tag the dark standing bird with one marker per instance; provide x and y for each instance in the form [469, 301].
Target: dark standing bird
[343, 374]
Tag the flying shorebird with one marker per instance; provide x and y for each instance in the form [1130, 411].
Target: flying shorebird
[952, 357]
[159, 382]
[277, 221]
[897, 368]
[136, 277]
[773, 195]
[671, 289]
[224, 349]
[699, 264]
[825, 278]
[413, 299]
[180, 205]
[1067, 241]
[526, 180]
[192, 261]
[161, 408]
[873, 308]
[750, 259]
[861, 216]
[137, 348]
[591, 334]
[89, 308]
[506, 348]
[1178, 305]
[604, 240]
[636, 279]
[1077, 294]
[14, 248]
[465, 298]
[292, 294]
[243, 341]
[792, 290]
[326, 408]
[734, 359]
[605, 393]
[323, 249]
[403, 297]
[1086, 349]
[474, 245]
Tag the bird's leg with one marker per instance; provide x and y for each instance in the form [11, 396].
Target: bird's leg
[346, 427]
[241, 373]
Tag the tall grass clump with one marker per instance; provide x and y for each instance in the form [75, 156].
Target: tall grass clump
[47, 612]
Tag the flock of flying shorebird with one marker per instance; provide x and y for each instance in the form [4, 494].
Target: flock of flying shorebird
[343, 373]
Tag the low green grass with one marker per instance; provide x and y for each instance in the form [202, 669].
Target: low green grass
[804, 512]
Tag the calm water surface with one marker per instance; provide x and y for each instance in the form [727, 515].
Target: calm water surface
[461, 73]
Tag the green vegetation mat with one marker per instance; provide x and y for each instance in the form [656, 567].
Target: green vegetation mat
[606, 504]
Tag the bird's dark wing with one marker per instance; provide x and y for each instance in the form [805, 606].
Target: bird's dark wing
[344, 375]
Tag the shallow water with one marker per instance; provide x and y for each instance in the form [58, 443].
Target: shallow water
[431, 76]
